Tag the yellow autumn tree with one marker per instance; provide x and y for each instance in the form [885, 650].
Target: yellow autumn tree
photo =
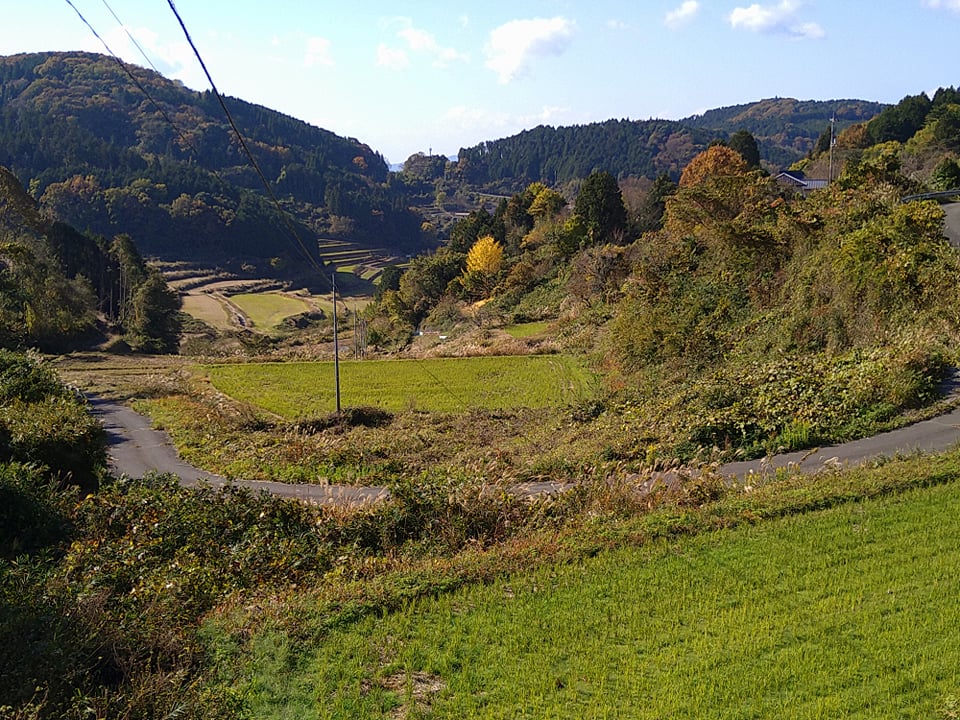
[483, 263]
[486, 256]
[716, 161]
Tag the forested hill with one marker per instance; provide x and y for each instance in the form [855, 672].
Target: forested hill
[97, 153]
[786, 131]
[558, 155]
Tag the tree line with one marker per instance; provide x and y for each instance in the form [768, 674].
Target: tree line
[57, 284]
[170, 171]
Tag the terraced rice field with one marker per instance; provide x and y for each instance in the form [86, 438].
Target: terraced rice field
[297, 390]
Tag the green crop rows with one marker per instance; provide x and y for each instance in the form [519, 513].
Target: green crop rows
[294, 390]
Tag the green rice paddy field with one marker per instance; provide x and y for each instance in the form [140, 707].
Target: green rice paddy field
[268, 310]
[851, 612]
[298, 390]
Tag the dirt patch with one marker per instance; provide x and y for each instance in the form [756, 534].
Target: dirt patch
[416, 690]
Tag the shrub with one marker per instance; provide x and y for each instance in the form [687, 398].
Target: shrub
[57, 433]
[34, 514]
[27, 378]
[45, 423]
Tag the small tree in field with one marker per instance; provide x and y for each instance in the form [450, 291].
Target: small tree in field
[155, 324]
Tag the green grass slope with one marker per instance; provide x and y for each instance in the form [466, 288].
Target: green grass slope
[847, 612]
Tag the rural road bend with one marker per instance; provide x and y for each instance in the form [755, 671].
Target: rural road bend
[952, 223]
[939, 434]
[135, 449]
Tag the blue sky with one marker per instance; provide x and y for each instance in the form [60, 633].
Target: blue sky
[408, 77]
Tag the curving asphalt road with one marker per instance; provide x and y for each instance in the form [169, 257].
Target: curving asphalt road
[135, 448]
[930, 436]
[952, 223]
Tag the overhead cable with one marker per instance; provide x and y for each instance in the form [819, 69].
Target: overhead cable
[243, 144]
[134, 78]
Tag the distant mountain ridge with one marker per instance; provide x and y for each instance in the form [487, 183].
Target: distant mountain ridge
[786, 130]
[99, 155]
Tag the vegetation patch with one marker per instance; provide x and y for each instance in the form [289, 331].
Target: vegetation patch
[267, 310]
[209, 309]
[527, 330]
[296, 390]
[639, 597]
[844, 612]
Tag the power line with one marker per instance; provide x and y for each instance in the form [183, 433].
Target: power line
[243, 144]
[186, 140]
[134, 78]
[132, 38]
[273, 197]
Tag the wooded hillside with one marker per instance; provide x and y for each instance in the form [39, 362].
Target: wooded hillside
[161, 163]
[786, 131]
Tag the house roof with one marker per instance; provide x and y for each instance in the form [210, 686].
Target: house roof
[797, 179]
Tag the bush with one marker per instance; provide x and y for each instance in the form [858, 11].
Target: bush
[57, 433]
[34, 514]
[27, 378]
[45, 423]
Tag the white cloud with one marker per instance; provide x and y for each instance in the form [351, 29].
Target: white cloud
[174, 60]
[952, 5]
[682, 15]
[474, 124]
[392, 58]
[417, 41]
[780, 18]
[548, 115]
[423, 42]
[512, 46]
[318, 53]
[807, 31]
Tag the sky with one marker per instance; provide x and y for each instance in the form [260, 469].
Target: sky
[434, 76]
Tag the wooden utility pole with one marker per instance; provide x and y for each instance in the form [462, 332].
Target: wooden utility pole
[833, 120]
[336, 343]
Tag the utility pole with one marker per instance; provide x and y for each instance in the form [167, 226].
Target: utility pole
[336, 343]
[833, 120]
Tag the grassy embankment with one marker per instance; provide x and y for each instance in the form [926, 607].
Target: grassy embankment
[527, 330]
[805, 597]
[842, 604]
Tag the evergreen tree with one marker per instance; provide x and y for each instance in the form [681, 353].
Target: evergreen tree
[745, 144]
[155, 324]
[946, 176]
[650, 216]
[600, 206]
[900, 122]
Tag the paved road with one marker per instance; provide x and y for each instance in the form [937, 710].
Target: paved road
[135, 449]
[952, 229]
[930, 436]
